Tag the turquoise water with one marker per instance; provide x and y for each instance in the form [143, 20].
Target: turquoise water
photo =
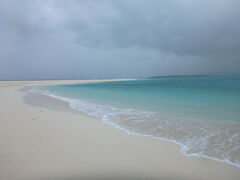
[201, 113]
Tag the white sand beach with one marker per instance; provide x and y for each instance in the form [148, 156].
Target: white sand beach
[45, 139]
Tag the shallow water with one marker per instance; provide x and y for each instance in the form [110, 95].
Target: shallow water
[201, 113]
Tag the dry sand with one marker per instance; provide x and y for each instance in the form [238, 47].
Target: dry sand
[45, 139]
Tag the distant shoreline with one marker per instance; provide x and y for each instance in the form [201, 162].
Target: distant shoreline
[103, 79]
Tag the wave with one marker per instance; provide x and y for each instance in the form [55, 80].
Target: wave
[213, 141]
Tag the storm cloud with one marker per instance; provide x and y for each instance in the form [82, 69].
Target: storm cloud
[81, 39]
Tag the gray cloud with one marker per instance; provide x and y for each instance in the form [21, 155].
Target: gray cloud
[110, 38]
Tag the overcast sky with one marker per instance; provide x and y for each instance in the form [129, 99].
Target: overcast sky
[82, 39]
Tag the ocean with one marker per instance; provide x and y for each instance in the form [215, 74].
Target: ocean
[200, 113]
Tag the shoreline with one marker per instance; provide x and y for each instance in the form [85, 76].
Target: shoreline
[70, 108]
[154, 157]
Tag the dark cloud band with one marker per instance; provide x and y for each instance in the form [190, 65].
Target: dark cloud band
[80, 38]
